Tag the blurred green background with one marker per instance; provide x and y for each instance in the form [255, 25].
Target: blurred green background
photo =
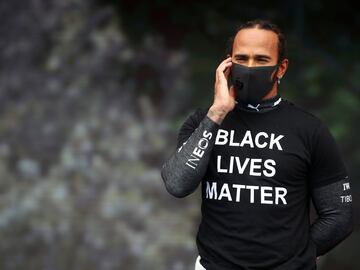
[92, 96]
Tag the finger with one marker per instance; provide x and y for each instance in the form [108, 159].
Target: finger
[232, 92]
[219, 74]
[220, 70]
[224, 62]
[227, 71]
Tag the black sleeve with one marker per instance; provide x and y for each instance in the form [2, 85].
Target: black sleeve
[187, 165]
[333, 203]
[330, 193]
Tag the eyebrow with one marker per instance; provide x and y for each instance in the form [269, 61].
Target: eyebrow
[256, 56]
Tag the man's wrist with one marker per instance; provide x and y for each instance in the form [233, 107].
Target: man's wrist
[217, 114]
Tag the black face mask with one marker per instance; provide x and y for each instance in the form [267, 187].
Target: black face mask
[252, 83]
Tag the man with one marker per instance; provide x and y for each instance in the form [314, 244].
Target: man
[260, 159]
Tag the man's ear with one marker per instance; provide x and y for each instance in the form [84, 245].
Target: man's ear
[283, 66]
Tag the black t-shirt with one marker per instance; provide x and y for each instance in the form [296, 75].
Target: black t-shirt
[256, 190]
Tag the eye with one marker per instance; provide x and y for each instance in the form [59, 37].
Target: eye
[262, 59]
[241, 59]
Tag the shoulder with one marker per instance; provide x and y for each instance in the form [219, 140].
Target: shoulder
[191, 123]
[302, 117]
[193, 119]
[309, 125]
[197, 115]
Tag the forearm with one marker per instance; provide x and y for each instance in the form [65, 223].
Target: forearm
[186, 167]
[335, 215]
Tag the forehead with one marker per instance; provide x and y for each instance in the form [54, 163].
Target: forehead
[256, 41]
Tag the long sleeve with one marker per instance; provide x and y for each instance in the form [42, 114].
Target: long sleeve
[184, 169]
[330, 192]
[333, 204]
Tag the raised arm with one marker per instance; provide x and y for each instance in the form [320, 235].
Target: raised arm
[186, 167]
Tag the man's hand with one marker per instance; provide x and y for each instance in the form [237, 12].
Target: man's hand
[224, 98]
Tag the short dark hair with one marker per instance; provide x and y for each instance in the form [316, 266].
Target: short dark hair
[265, 25]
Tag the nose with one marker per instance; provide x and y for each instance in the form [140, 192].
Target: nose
[251, 62]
